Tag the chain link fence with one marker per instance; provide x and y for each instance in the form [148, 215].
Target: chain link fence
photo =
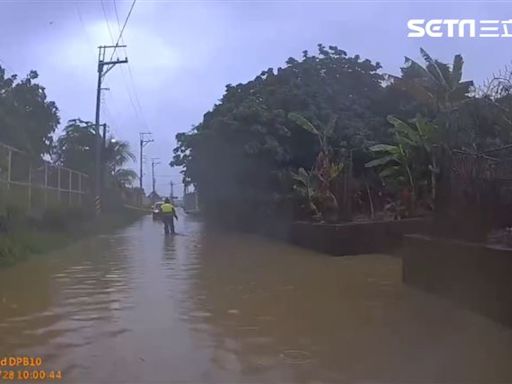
[36, 185]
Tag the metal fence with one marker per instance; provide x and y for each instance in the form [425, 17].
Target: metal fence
[35, 185]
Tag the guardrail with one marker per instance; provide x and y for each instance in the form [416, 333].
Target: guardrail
[37, 184]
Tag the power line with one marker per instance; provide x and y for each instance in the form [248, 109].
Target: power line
[129, 91]
[119, 25]
[79, 14]
[108, 27]
[136, 105]
[110, 118]
[117, 16]
[143, 119]
[124, 26]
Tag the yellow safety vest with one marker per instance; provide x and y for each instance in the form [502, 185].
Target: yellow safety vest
[167, 208]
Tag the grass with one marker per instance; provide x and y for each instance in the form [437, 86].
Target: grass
[29, 239]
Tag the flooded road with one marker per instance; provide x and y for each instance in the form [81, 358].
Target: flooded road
[207, 306]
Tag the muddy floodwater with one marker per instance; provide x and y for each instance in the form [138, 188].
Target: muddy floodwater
[207, 306]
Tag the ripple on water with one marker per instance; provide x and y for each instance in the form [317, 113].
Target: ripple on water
[85, 318]
[296, 356]
[199, 314]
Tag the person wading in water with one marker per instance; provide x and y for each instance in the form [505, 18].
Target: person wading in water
[168, 215]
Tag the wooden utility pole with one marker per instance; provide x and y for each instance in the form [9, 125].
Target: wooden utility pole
[103, 155]
[104, 66]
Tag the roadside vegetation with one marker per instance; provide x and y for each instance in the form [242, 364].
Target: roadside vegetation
[22, 236]
[331, 137]
[29, 122]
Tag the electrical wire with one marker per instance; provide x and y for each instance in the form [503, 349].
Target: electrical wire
[124, 26]
[111, 118]
[133, 89]
[108, 24]
[82, 23]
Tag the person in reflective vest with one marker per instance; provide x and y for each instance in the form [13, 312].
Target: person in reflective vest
[168, 215]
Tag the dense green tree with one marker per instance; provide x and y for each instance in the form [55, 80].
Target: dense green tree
[125, 178]
[436, 85]
[27, 118]
[75, 149]
[240, 155]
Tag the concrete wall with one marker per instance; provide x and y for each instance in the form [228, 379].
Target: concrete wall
[355, 238]
[473, 275]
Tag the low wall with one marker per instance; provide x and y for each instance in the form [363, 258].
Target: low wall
[474, 275]
[355, 238]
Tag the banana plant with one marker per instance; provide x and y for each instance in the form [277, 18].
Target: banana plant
[326, 169]
[323, 133]
[435, 84]
[393, 161]
[304, 186]
[396, 161]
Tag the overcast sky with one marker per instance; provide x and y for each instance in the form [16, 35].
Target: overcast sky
[183, 53]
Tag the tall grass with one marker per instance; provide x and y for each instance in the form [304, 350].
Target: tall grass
[24, 233]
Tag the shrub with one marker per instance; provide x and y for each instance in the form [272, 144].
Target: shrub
[11, 217]
[10, 251]
[63, 218]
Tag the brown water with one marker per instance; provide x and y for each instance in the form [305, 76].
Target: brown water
[207, 306]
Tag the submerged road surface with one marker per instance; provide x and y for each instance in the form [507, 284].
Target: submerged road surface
[207, 306]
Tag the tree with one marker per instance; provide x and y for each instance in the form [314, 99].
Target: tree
[117, 153]
[75, 149]
[408, 161]
[27, 118]
[437, 86]
[240, 157]
[325, 171]
[124, 178]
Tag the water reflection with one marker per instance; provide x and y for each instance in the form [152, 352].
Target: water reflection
[283, 313]
[209, 306]
[65, 301]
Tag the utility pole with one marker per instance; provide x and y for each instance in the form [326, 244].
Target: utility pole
[154, 163]
[104, 67]
[103, 155]
[172, 190]
[144, 140]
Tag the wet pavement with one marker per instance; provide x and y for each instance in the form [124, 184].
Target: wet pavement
[207, 306]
